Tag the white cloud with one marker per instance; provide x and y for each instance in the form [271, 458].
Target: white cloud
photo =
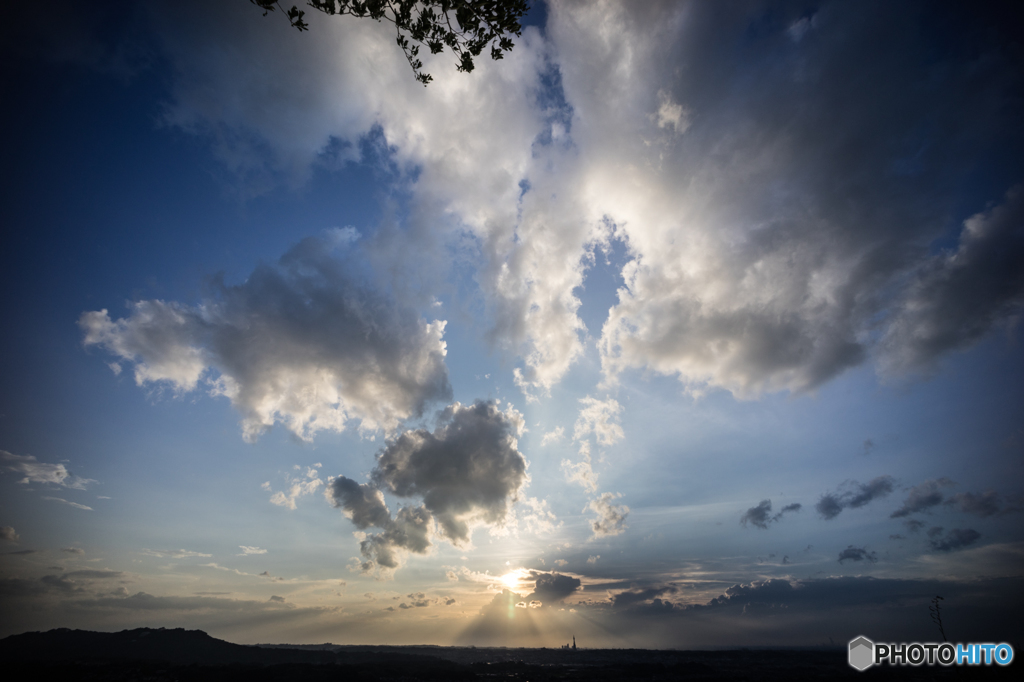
[599, 417]
[766, 242]
[470, 138]
[538, 518]
[552, 436]
[173, 553]
[249, 551]
[8, 534]
[768, 248]
[611, 518]
[581, 472]
[298, 487]
[76, 505]
[298, 343]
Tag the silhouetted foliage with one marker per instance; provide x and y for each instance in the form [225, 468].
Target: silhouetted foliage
[936, 614]
[467, 27]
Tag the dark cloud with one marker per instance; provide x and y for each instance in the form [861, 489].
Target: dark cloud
[955, 539]
[829, 506]
[468, 470]
[959, 295]
[853, 495]
[419, 600]
[61, 583]
[761, 516]
[299, 342]
[551, 588]
[913, 525]
[275, 598]
[929, 495]
[645, 596]
[142, 601]
[362, 503]
[923, 497]
[983, 504]
[782, 612]
[852, 553]
[94, 574]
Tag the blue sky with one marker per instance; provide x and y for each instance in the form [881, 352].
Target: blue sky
[684, 325]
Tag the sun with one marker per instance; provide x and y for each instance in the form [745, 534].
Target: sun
[513, 579]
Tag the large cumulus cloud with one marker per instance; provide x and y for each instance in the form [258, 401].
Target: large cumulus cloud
[771, 236]
[467, 472]
[779, 190]
[300, 342]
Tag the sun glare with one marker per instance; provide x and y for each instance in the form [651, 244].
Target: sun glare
[513, 580]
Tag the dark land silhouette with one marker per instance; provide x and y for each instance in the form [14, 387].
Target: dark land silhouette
[161, 654]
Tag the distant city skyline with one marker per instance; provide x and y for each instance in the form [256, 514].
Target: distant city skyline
[682, 325]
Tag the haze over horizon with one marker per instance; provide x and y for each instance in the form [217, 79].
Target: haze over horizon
[683, 325]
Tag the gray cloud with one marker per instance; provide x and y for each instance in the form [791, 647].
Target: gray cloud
[913, 525]
[469, 468]
[467, 471]
[41, 472]
[8, 534]
[954, 539]
[983, 504]
[639, 596]
[299, 342]
[923, 497]
[73, 550]
[611, 518]
[852, 553]
[770, 273]
[174, 553]
[76, 505]
[853, 496]
[785, 612]
[142, 601]
[761, 516]
[782, 227]
[551, 588]
[956, 297]
[103, 574]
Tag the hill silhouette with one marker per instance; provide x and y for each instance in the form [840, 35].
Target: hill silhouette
[162, 654]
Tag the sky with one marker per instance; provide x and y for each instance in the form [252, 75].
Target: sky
[684, 325]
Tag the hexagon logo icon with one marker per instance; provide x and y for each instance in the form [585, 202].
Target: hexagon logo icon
[862, 653]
